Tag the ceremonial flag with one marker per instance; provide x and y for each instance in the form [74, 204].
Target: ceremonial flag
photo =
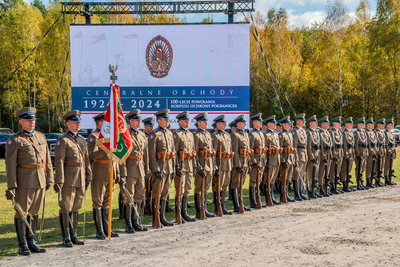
[114, 136]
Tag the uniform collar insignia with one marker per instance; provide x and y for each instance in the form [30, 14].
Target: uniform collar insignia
[134, 131]
[201, 130]
[183, 129]
[162, 129]
[256, 130]
[97, 130]
[71, 134]
[240, 130]
[27, 133]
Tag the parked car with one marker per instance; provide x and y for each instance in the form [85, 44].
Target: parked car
[52, 135]
[396, 133]
[6, 131]
[3, 143]
[51, 143]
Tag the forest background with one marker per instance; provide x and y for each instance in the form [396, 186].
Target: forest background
[345, 65]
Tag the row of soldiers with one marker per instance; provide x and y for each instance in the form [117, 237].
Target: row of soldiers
[218, 160]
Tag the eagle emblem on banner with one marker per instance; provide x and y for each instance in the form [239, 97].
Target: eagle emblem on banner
[159, 57]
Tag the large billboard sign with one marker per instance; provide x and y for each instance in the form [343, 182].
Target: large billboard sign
[178, 67]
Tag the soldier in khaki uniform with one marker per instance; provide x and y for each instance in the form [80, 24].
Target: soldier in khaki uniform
[314, 155]
[326, 156]
[133, 173]
[100, 187]
[372, 153]
[349, 154]
[205, 156]
[273, 160]
[73, 175]
[381, 150]
[361, 150]
[337, 154]
[258, 158]
[29, 174]
[222, 144]
[148, 125]
[300, 144]
[390, 151]
[288, 160]
[233, 128]
[162, 162]
[185, 162]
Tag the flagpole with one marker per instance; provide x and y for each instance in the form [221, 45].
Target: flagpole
[111, 195]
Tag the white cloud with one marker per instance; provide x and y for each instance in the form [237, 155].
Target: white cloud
[306, 19]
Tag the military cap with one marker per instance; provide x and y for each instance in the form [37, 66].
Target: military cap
[148, 121]
[74, 115]
[134, 115]
[163, 114]
[285, 120]
[370, 120]
[391, 120]
[380, 121]
[233, 124]
[360, 120]
[214, 125]
[28, 113]
[312, 118]
[220, 118]
[337, 119]
[331, 124]
[184, 116]
[240, 119]
[201, 117]
[100, 116]
[324, 119]
[256, 117]
[348, 120]
[278, 124]
[270, 119]
[301, 116]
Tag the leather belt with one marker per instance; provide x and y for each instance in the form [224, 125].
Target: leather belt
[301, 147]
[391, 145]
[165, 155]
[135, 158]
[339, 146]
[74, 164]
[102, 161]
[275, 150]
[317, 147]
[351, 146]
[289, 150]
[187, 155]
[245, 152]
[363, 145]
[225, 155]
[260, 150]
[207, 153]
[28, 166]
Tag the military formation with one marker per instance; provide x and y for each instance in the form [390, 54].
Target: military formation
[312, 155]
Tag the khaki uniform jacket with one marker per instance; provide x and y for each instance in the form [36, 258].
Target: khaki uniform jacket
[68, 152]
[257, 140]
[202, 141]
[240, 140]
[222, 141]
[133, 167]
[348, 144]
[20, 151]
[286, 140]
[372, 142]
[381, 142]
[184, 141]
[272, 140]
[361, 143]
[390, 143]
[100, 171]
[326, 145]
[337, 143]
[313, 144]
[300, 143]
[161, 140]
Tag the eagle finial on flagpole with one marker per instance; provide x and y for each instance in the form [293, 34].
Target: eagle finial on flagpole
[113, 70]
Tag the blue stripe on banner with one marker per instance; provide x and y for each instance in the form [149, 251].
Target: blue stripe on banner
[210, 98]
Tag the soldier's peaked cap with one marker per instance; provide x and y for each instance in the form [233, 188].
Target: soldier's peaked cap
[233, 124]
[370, 120]
[301, 116]
[74, 115]
[240, 119]
[381, 121]
[312, 118]
[285, 119]
[134, 115]
[183, 116]
[391, 120]
[201, 117]
[256, 117]
[348, 120]
[28, 113]
[337, 119]
[148, 121]
[220, 118]
[270, 119]
[163, 114]
[324, 119]
[360, 120]
[100, 116]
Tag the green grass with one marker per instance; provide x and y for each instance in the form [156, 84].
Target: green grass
[51, 236]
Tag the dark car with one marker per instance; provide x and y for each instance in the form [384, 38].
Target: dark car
[51, 143]
[52, 135]
[3, 143]
[6, 131]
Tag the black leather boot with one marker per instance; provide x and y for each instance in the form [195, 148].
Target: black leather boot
[128, 218]
[121, 206]
[167, 207]
[215, 202]
[252, 195]
[32, 245]
[184, 213]
[73, 232]
[275, 202]
[98, 221]
[208, 215]
[135, 219]
[153, 211]
[235, 200]
[65, 225]
[346, 186]
[105, 223]
[224, 211]
[197, 204]
[322, 190]
[300, 186]
[20, 228]
[287, 192]
[162, 214]
[297, 191]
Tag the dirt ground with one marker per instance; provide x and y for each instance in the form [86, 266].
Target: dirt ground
[352, 229]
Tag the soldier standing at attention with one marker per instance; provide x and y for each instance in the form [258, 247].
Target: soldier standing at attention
[258, 159]
[278, 127]
[204, 161]
[73, 175]
[148, 125]
[274, 161]
[361, 149]
[326, 156]
[337, 154]
[390, 151]
[162, 162]
[222, 144]
[349, 154]
[372, 153]
[133, 173]
[381, 149]
[300, 143]
[233, 128]
[314, 155]
[185, 162]
[29, 174]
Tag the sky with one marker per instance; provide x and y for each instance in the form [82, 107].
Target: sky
[301, 12]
